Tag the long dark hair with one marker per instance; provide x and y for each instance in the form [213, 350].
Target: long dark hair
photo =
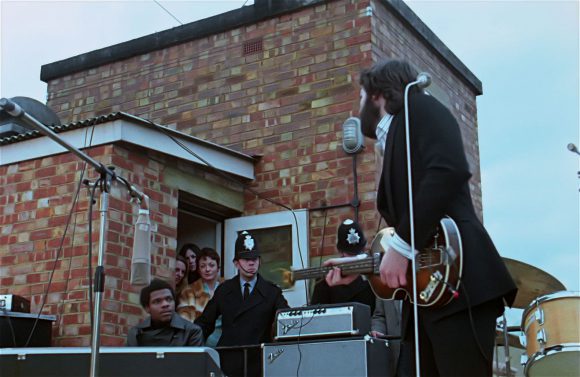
[183, 283]
[192, 275]
[389, 78]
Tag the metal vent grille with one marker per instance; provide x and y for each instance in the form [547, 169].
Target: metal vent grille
[253, 47]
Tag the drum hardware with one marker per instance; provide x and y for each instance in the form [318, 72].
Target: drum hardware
[523, 341]
[541, 337]
[504, 339]
[540, 316]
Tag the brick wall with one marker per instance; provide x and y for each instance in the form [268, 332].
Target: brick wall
[35, 200]
[286, 103]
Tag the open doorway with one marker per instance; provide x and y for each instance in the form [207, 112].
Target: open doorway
[201, 222]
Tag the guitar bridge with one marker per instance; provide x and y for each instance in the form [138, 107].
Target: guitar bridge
[434, 282]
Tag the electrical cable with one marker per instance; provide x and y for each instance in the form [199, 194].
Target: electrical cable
[168, 12]
[58, 254]
[302, 325]
[242, 184]
[11, 329]
[72, 242]
[463, 287]
[83, 171]
[472, 323]
[323, 235]
[90, 249]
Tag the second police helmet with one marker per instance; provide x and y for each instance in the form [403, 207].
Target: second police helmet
[350, 238]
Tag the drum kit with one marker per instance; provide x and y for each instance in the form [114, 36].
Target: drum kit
[549, 333]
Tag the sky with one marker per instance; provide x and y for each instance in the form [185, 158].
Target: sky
[526, 53]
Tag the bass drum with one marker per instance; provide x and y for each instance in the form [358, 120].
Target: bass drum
[551, 329]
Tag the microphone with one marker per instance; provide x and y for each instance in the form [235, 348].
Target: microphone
[141, 256]
[423, 80]
[352, 137]
[11, 107]
[572, 148]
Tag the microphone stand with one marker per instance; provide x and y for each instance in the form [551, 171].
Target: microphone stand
[107, 177]
[422, 82]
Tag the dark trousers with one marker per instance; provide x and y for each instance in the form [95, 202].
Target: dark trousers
[242, 361]
[453, 345]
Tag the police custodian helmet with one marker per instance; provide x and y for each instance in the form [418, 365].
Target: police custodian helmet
[350, 238]
[246, 246]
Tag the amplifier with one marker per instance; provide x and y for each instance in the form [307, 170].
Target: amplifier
[113, 362]
[330, 358]
[318, 321]
[13, 303]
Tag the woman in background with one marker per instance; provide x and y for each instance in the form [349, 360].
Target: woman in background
[189, 251]
[194, 298]
[181, 271]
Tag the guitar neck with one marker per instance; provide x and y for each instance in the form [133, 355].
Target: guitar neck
[363, 266]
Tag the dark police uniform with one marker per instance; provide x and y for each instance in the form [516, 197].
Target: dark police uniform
[244, 321]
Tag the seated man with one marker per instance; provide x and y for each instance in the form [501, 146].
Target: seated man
[164, 327]
[350, 241]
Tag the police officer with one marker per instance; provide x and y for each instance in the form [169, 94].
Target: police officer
[350, 241]
[247, 303]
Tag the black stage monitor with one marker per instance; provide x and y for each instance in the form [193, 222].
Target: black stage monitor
[113, 362]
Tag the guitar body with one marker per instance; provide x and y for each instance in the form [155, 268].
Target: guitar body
[440, 266]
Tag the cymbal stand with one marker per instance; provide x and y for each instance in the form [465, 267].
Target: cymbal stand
[506, 345]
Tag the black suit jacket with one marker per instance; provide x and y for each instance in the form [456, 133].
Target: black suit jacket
[179, 333]
[440, 187]
[244, 322]
[357, 291]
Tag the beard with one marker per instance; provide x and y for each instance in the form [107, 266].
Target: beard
[370, 115]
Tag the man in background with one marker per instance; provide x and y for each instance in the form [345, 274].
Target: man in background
[350, 241]
[163, 327]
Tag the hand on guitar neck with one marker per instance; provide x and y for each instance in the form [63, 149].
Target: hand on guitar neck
[438, 272]
[335, 277]
[393, 270]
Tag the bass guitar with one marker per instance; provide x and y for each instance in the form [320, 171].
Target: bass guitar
[439, 267]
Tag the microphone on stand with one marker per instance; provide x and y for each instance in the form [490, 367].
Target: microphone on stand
[141, 256]
[572, 148]
[10, 107]
[423, 80]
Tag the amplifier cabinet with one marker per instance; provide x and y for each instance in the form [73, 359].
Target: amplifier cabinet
[320, 321]
[340, 357]
[15, 329]
[113, 362]
[14, 303]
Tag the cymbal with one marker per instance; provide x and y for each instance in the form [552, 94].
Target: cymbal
[531, 282]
